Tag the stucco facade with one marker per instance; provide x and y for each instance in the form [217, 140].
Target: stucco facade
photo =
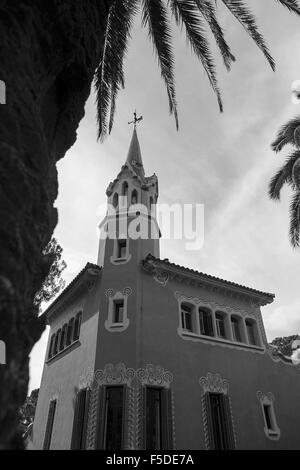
[149, 324]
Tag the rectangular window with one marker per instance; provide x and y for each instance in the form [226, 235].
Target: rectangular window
[49, 426]
[251, 333]
[77, 326]
[80, 420]
[186, 318]
[70, 332]
[206, 325]
[118, 311]
[154, 419]
[113, 418]
[158, 418]
[63, 337]
[122, 248]
[268, 416]
[221, 429]
[220, 323]
[236, 330]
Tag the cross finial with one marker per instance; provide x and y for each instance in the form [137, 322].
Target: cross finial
[136, 120]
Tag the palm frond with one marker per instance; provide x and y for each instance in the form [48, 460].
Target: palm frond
[109, 76]
[288, 134]
[187, 14]
[247, 20]
[294, 230]
[208, 10]
[292, 5]
[283, 176]
[154, 17]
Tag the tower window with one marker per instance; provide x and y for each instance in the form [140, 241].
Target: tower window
[220, 324]
[250, 326]
[125, 189]
[186, 317]
[122, 248]
[116, 200]
[206, 324]
[134, 197]
[236, 331]
[118, 311]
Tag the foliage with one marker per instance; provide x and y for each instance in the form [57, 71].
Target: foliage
[289, 174]
[53, 283]
[284, 344]
[27, 412]
[194, 16]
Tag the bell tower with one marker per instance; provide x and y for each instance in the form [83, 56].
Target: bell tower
[129, 231]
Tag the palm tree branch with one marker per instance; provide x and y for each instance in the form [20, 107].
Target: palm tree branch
[247, 20]
[287, 134]
[284, 175]
[187, 14]
[109, 75]
[208, 10]
[294, 230]
[154, 17]
[292, 5]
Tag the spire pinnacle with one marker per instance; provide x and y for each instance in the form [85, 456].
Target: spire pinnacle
[134, 156]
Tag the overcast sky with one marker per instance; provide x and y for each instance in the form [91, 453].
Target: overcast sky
[221, 160]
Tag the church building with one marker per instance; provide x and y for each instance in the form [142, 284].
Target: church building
[146, 354]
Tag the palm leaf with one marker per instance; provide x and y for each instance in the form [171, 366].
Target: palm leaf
[187, 14]
[294, 231]
[208, 10]
[154, 17]
[247, 20]
[287, 134]
[283, 176]
[109, 76]
[292, 5]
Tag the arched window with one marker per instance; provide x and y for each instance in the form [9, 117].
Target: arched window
[187, 317]
[69, 332]
[125, 189]
[236, 329]
[206, 323]
[151, 203]
[50, 353]
[63, 337]
[77, 325]
[252, 332]
[116, 200]
[220, 324]
[134, 197]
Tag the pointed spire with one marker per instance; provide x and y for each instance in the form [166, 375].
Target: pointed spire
[134, 157]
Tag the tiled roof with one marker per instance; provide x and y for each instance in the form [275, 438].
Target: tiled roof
[168, 265]
[70, 285]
